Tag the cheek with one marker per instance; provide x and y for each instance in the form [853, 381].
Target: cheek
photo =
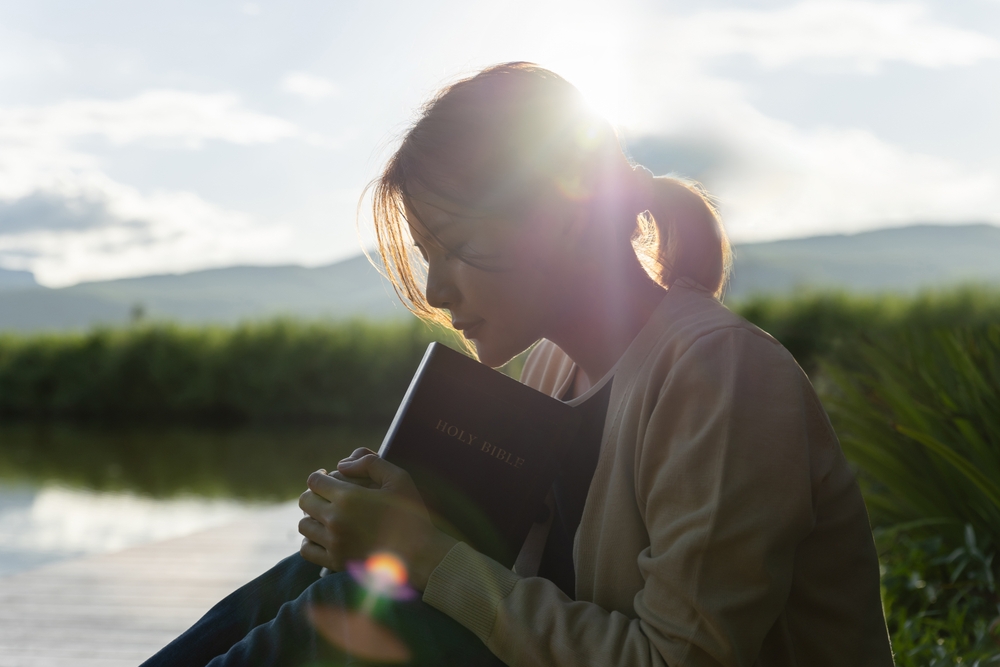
[525, 305]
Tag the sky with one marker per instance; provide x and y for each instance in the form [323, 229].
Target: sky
[159, 137]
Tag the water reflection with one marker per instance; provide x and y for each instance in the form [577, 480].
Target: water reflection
[68, 491]
[43, 525]
[248, 463]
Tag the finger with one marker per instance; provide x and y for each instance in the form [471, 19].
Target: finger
[372, 466]
[316, 554]
[314, 505]
[358, 453]
[314, 531]
[356, 481]
[345, 466]
[325, 485]
[321, 470]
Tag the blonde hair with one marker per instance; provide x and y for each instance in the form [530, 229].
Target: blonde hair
[515, 135]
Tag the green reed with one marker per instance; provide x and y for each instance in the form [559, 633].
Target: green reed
[278, 371]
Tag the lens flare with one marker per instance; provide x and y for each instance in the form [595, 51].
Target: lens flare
[386, 571]
[588, 133]
[358, 635]
[383, 574]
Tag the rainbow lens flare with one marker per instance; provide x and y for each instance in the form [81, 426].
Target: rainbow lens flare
[383, 574]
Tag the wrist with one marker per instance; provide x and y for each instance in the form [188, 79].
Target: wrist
[427, 559]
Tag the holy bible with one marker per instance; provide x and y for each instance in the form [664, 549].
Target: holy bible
[481, 447]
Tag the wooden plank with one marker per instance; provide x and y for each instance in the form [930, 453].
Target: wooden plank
[120, 608]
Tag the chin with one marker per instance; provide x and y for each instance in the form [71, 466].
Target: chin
[495, 356]
[488, 355]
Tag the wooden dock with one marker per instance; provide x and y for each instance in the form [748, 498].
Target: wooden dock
[118, 609]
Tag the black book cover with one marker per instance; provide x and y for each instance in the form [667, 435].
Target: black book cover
[481, 447]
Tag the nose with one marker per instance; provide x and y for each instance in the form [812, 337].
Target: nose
[442, 291]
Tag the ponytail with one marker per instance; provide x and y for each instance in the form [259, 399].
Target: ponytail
[680, 233]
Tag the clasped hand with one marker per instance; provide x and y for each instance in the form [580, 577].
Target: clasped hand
[369, 505]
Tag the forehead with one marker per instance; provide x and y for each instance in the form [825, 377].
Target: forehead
[428, 213]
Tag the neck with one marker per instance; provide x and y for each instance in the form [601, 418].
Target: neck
[607, 307]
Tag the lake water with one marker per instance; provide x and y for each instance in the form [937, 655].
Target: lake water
[70, 491]
[41, 525]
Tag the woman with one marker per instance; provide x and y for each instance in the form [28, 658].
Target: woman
[718, 523]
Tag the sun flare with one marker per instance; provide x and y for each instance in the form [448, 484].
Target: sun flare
[385, 570]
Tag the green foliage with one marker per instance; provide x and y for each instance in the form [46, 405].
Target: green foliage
[922, 420]
[938, 601]
[918, 411]
[827, 326]
[275, 371]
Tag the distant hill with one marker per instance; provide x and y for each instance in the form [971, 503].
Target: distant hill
[898, 260]
[905, 259]
[351, 288]
[10, 279]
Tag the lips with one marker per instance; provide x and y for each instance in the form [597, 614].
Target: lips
[469, 328]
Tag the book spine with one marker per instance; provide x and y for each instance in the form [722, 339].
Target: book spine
[404, 405]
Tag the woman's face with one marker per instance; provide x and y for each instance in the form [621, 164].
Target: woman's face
[500, 281]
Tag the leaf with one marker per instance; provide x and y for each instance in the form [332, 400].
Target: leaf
[990, 488]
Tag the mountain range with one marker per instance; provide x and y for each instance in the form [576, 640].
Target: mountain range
[901, 260]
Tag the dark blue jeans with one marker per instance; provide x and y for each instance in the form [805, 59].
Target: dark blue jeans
[289, 616]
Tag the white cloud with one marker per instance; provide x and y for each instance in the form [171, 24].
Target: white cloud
[184, 117]
[864, 35]
[109, 229]
[623, 57]
[779, 179]
[789, 182]
[135, 233]
[309, 86]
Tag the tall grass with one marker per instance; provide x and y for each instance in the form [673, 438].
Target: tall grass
[286, 371]
[922, 420]
[275, 371]
[816, 326]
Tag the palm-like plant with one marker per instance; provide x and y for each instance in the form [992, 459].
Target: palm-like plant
[921, 419]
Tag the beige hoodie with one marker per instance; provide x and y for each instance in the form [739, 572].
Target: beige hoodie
[723, 525]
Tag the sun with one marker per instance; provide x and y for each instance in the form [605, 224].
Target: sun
[604, 89]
